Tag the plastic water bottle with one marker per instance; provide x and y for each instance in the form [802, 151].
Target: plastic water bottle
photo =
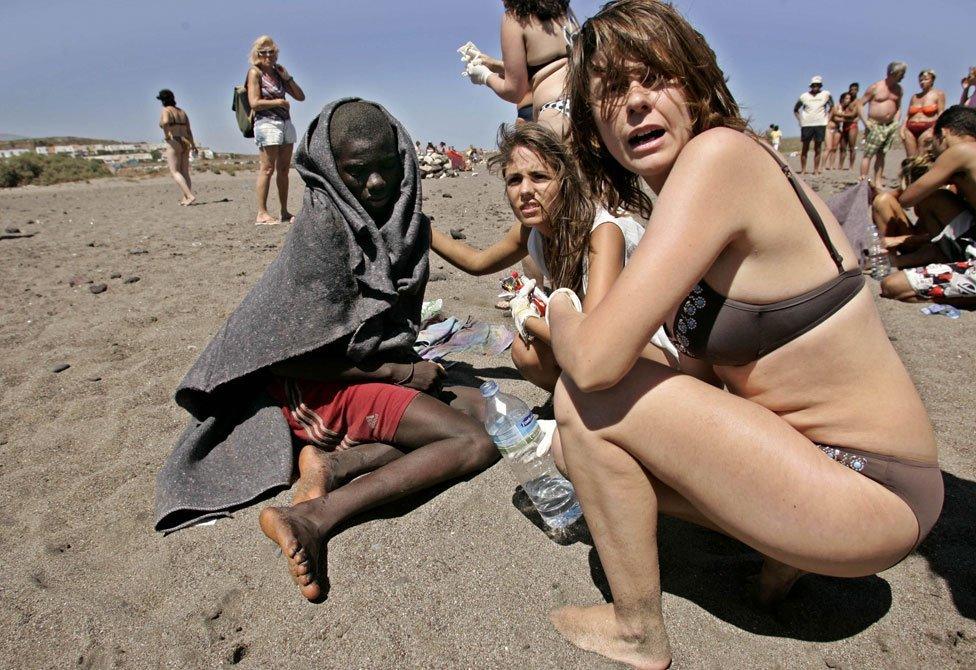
[878, 261]
[517, 434]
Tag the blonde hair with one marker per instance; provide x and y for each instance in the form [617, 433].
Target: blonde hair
[261, 43]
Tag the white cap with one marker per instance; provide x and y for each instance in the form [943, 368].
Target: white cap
[817, 79]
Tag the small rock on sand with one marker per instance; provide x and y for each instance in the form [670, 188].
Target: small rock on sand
[60, 367]
[115, 275]
[446, 195]
[437, 276]
[457, 234]
[78, 280]
[98, 288]
[136, 252]
[13, 230]
[131, 280]
[93, 379]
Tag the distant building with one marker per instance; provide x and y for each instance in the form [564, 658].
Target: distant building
[10, 153]
[43, 151]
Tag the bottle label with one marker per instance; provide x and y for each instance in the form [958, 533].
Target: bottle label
[520, 441]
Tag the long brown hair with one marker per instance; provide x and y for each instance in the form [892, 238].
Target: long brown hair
[571, 213]
[544, 10]
[654, 35]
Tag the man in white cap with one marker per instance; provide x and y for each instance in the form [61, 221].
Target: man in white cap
[812, 111]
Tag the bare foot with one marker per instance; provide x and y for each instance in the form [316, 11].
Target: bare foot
[776, 580]
[186, 202]
[596, 629]
[265, 219]
[303, 544]
[316, 474]
[287, 217]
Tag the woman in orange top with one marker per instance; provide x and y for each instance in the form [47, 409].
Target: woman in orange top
[923, 109]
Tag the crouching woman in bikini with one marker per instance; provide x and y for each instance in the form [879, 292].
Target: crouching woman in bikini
[765, 299]
[560, 229]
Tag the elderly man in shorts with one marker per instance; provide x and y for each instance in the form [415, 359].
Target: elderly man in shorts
[947, 273]
[881, 114]
[812, 110]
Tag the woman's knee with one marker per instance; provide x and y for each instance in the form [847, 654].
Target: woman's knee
[896, 287]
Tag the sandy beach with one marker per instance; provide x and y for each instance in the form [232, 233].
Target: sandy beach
[456, 579]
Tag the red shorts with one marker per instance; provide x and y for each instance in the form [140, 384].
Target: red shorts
[337, 415]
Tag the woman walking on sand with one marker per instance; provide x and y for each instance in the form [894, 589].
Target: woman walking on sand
[762, 435]
[179, 143]
[268, 85]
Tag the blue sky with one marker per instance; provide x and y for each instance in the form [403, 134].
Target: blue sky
[92, 68]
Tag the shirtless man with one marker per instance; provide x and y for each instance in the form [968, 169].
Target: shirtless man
[881, 115]
[414, 439]
[947, 272]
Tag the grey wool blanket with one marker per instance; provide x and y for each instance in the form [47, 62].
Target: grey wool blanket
[340, 282]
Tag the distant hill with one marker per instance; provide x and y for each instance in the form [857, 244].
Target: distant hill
[31, 142]
[6, 137]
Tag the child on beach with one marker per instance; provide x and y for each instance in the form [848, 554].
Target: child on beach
[575, 243]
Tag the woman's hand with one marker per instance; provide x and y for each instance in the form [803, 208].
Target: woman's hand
[283, 102]
[284, 73]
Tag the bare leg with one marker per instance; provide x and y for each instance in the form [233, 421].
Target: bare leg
[321, 471]
[804, 150]
[817, 147]
[889, 216]
[911, 144]
[879, 165]
[443, 444]
[831, 148]
[173, 157]
[282, 166]
[536, 363]
[268, 156]
[852, 145]
[896, 287]
[740, 465]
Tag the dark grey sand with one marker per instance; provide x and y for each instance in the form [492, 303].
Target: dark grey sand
[463, 580]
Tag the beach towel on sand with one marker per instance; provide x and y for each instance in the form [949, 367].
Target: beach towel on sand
[339, 280]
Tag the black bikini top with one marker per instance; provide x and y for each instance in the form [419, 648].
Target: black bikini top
[536, 69]
[722, 331]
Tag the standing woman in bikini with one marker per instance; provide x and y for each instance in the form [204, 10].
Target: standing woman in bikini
[846, 115]
[268, 85]
[533, 42]
[764, 434]
[923, 110]
[179, 143]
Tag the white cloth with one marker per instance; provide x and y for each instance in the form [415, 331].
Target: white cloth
[632, 231]
[813, 110]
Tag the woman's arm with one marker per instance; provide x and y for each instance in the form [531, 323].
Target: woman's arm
[945, 166]
[164, 121]
[502, 254]
[514, 83]
[605, 261]
[189, 132]
[291, 86]
[254, 93]
[940, 100]
[686, 233]
[493, 64]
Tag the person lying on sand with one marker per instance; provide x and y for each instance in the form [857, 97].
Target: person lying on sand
[765, 436]
[943, 270]
[560, 229]
[327, 336]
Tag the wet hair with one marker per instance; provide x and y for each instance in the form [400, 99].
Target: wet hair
[359, 119]
[961, 120]
[263, 42]
[654, 35]
[166, 97]
[571, 213]
[897, 67]
[544, 10]
[840, 100]
[925, 72]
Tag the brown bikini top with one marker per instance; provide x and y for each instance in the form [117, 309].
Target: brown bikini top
[722, 331]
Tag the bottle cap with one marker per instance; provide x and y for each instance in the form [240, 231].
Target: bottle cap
[489, 388]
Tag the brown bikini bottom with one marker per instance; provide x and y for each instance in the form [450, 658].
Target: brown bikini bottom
[918, 484]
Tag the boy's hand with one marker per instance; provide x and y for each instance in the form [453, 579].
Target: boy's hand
[427, 376]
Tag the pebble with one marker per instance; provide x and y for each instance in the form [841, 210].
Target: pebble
[437, 276]
[93, 379]
[131, 280]
[457, 234]
[91, 244]
[13, 230]
[136, 252]
[78, 280]
[115, 275]
[3, 440]
[446, 195]
[60, 367]
[98, 288]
